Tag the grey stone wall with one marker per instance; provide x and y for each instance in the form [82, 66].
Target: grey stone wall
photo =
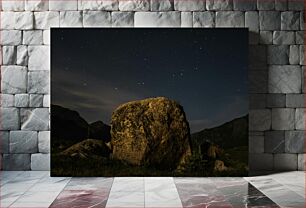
[276, 65]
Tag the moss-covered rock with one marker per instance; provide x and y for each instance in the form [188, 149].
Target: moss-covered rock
[152, 132]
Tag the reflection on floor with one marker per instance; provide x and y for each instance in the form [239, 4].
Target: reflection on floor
[37, 189]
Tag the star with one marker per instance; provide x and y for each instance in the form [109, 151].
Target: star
[116, 88]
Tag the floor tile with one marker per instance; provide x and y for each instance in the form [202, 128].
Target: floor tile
[129, 184]
[80, 199]
[126, 200]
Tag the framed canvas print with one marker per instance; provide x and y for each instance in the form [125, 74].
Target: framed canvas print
[149, 102]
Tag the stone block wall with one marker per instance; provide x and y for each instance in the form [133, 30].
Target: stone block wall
[276, 66]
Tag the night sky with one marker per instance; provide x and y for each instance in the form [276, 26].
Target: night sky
[205, 70]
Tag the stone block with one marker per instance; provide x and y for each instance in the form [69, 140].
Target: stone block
[22, 55]
[40, 162]
[283, 37]
[301, 162]
[9, 119]
[251, 21]
[16, 162]
[285, 162]
[294, 54]
[274, 141]
[203, 19]
[290, 20]
[245, 5]
[122, 19]
[194, 5]
[266, 37]
[134, 5]
[283, 118]
[162, 5]
[32, 37]
[7, 22]
[46, 101]
[295, 100]
[302, 55]
[44, 141]
[276, 100]
[35, 120]
[296, 5]
[71, 19]
[23, 142]
[22, 100]
[299, 37]
[9, 55]
[278, 54]
[256, 133]
[97, 19]
[14, 79]
[4, 141]
[257, 101]
[294, 141]
[24, 20]
[302, 21]
[259, 120]
[36, 100]
[45, 20]
[6, 100]
[265, 5]
[13, 5]
[157, 19]
[36, 5]
[258, 81]
[98, 5]
[281, 5]
[229, 19]
[46, 37]
[256, 144]
[300, 119]
[11, 37]
[222, 5]
[39, 58]
[186, 19]
[269, 20]
[39, 82]
[259, 161]
[63, 5]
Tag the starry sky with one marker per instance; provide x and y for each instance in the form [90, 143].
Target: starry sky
[95, 70]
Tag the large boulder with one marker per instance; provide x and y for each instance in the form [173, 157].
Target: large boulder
[152, 132]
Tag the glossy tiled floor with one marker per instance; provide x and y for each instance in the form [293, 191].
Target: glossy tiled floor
[36, 189]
